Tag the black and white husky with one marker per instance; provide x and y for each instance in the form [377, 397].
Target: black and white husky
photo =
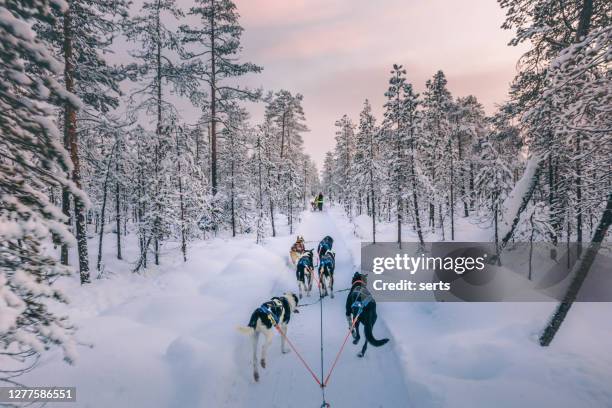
[361, 305]
[327, 264]
[275, 312]
[303, 272]
[325, 245]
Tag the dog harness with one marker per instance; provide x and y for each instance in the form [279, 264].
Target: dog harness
[305, 261]
[361, 301]
[268, 309]
[326, 260]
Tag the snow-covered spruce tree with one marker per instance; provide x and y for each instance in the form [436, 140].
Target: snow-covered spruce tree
[399, 129]
[212, 48]
[329, 186]
[78, 37]
[492, 183]
[563, 97]
[469, 127]
[344, 153]
[259, 166]
[437, 103]
[233, 171]
[189, 197]
[285, 111]
[31, 159]
[157, 47]
[270, 151]
[367, 163]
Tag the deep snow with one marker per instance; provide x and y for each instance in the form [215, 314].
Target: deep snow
[168, 339]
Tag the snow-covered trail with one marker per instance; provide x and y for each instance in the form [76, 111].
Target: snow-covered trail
[377, 380]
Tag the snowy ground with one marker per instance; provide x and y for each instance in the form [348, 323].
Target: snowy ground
[168, 339]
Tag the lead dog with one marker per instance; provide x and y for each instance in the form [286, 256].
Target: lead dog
[275, 312]
[303, 272]
[361, 305]
[327, 264]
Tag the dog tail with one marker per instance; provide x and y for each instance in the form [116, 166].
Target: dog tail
[367, 328]
[245, 330]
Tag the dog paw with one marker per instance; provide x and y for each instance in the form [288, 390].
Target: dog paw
[263, 363]
[360, 354]
[332, 295]
[286, 351]
[256, 376]
[355, 341]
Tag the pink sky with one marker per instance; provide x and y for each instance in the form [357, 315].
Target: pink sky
[339, 52]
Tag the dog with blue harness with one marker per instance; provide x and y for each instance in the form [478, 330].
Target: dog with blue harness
[303, 272]
[361, 309]
[327, 265]
[272, 314]
[325, 245]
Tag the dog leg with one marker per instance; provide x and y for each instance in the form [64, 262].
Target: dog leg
[363, 350]
[284, 330]
[255, 339]
[331, 285]
[356, 335]
[264, 349]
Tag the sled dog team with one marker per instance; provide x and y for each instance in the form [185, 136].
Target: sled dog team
[275, 314]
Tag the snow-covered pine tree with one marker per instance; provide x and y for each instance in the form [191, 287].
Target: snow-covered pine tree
[438, 103]
[399, 129]
[285, 111]
[233, 171]
[469, 126]
[212, 48]
[561, 95]
[344, 154]
[329, 186]
[367, 163]
[153, 72]
[79, 37]
[32, 160]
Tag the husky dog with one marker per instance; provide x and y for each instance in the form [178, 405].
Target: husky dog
[325, 245]
[361, 305]
[273, 313]
[327, 264]
[297, 249]
[303, 272]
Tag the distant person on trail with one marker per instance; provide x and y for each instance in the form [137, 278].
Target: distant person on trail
[297, 249]
[320, 201]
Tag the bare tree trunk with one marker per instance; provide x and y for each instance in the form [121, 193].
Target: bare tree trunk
[415, 199]
[213, 102]
[271, 203]
[182, 201]
[70, 127]
[232, 198]
[452, 191]
[578, 196]
[157, 221]
[579, 271]
[103, 213]
[118, 203]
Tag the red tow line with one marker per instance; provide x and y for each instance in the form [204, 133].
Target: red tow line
[340, 352]
[299, 356]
